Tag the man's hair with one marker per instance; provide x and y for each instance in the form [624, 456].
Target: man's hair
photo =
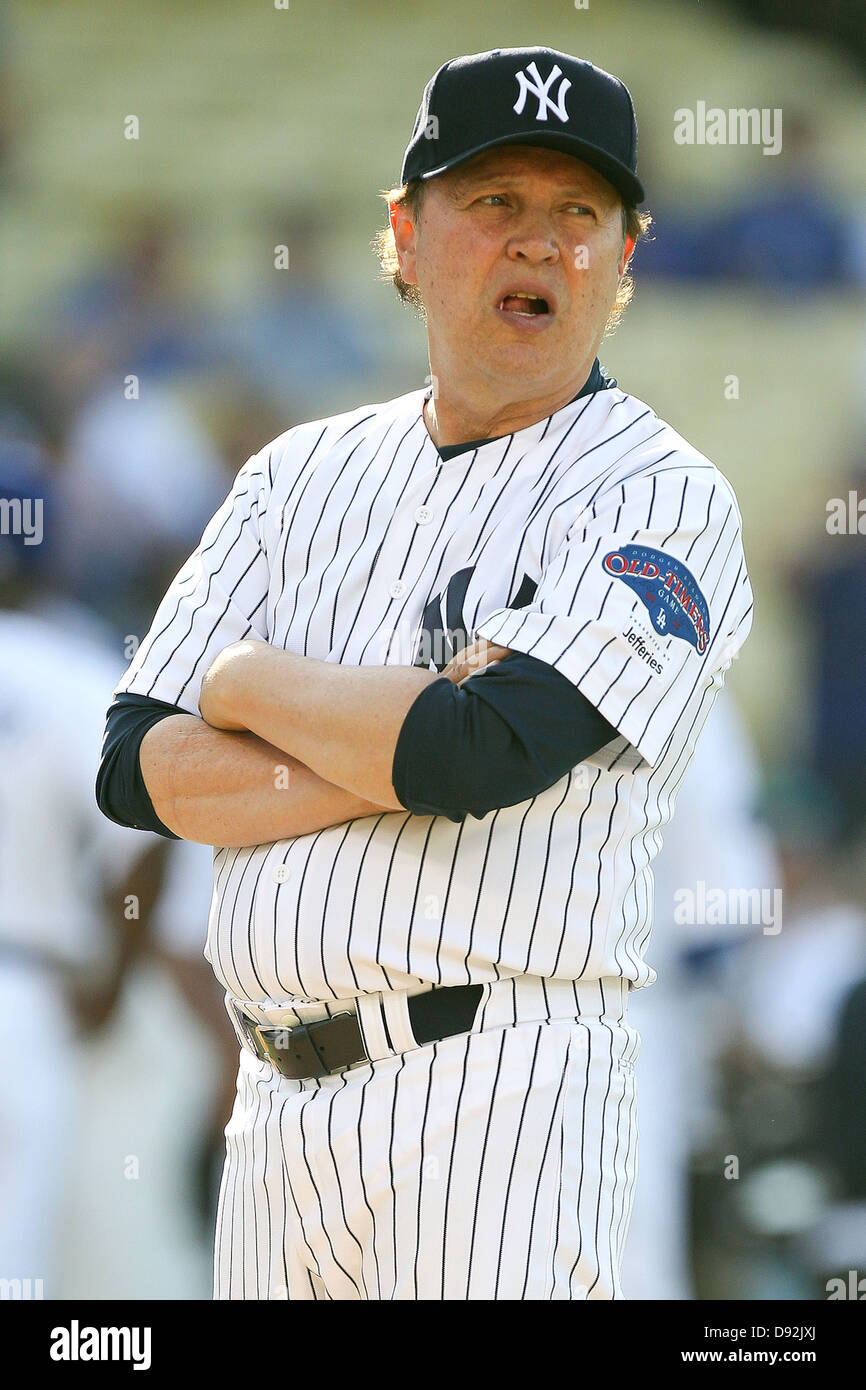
[635, 224]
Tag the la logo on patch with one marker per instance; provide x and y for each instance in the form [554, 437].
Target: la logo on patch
[667, 589]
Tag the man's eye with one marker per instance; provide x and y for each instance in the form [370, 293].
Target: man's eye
[493, 198]
[582, 208]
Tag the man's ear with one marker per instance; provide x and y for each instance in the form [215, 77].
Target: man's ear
[403, 228]
[627, 249]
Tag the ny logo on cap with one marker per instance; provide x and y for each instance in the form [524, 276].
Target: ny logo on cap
[541, 91]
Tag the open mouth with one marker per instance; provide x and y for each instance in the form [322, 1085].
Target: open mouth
[528, 305]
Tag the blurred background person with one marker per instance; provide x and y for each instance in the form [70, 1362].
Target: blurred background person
[300, 340]
[180, 930]
[715, 838]
[833, 1247]
[158, 1090]
[131, 345]
[783, 996]
[784, 232]
[789, 232]
[828, 586]
[74, 894]
[133, 309]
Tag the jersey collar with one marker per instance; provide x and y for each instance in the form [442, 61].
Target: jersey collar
[598, 380]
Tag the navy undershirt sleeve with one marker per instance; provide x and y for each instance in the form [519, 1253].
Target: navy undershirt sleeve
[500, 738]
[120, 790]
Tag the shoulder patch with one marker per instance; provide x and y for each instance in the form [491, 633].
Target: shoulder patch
[666, 588]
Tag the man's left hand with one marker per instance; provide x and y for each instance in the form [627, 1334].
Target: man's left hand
[474, 659]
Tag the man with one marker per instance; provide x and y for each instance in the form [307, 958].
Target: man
[429, 684]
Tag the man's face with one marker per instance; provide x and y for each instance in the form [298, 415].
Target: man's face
[514, 222]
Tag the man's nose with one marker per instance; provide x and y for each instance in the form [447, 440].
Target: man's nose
[533, 241]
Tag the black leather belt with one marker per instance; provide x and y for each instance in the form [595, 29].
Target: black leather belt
[324, 1047]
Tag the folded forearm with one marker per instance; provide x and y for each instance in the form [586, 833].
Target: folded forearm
[341, 721]
[230, 789]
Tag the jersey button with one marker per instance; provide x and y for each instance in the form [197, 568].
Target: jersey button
[397, 588]
[423, 516]
[281, 873]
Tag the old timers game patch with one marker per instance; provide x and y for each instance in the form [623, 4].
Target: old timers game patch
[666, 588]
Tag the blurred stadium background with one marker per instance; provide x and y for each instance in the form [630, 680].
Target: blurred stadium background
[148, 345]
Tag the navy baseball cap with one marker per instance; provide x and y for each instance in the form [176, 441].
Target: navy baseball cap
[526, 96]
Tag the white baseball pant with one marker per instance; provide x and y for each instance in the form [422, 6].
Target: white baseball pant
[496, 1164]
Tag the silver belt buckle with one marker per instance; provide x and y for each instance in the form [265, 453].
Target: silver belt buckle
[263, 1039]
[267, 1040]
[247, 1028]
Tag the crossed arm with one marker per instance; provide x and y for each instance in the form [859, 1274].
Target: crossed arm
[286, 745]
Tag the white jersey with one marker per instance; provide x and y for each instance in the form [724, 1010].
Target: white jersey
[57, 852]
[597, 540]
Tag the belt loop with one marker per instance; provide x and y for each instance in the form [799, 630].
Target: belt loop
[396, 1010]
[371, 1021]
[480, 1013]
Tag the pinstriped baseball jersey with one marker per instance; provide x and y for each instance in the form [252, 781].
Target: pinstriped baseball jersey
[597, 540]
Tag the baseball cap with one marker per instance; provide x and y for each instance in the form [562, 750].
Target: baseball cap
[526, 96]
